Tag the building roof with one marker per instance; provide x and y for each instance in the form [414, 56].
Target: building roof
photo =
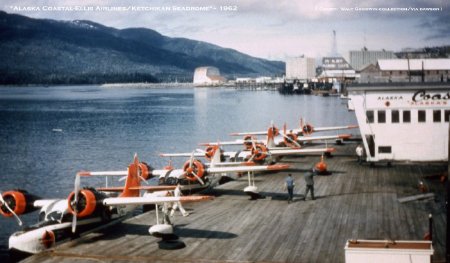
[414, 64]
[401, 86]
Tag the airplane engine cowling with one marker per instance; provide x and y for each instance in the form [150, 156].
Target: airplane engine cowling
[307, 129]
[210, 151]
[89, 202]
[259, 152]
[20, 201]
[146, 170]
[248, 142]
[291, 141]
[196, 167]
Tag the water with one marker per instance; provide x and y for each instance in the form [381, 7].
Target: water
[47, 134]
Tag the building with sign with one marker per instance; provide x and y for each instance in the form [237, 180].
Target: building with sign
[336, 69]
[403, 122]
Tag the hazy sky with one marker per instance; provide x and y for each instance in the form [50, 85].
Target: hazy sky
[273, 29]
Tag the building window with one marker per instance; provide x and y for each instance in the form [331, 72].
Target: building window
[370, 116]
[406, 116]
[422, 116]
[395, 116]
[381, 116]
[446, 115]
[384, 149]
[437, 116]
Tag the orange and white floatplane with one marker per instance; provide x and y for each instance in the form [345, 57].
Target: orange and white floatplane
[87, 209]
[305, 129]
[195, 173]
[253, 152]
[294, 137]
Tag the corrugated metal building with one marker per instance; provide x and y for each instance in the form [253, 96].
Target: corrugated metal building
[407, 70]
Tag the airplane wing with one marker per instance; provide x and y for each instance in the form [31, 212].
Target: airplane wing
[196, 154]
[335, 128]
[316, 129]
[319, 129]
[256, 168]
[275, 152]
[235, 142]
[147, 188]
[248, 133]
[325, 137]
[154, 199]
[103, 173]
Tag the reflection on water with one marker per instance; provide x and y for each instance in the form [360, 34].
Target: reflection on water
[47, 134]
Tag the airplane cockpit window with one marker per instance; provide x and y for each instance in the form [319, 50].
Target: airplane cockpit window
[54, 216]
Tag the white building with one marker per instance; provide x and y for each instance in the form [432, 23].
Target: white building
[360, 59]
[403, 122]
[208, 76]
[300, 68]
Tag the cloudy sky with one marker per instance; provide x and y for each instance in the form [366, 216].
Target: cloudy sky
[274, 29]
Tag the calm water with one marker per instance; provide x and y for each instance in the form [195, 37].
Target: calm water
[47, 134]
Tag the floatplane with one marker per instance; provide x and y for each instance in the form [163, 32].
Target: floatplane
[305, 129]
[87, 209]
[279, 140]
[196, 174]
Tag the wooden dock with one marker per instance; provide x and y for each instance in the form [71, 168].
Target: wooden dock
[354, 202]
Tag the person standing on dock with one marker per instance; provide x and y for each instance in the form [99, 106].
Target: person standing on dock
[310, 183]
[359, 153]
[289, 185]
[177, 193]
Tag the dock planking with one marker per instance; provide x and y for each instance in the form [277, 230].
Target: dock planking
[355, 202]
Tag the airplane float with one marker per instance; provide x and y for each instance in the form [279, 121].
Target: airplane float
[86, 209]
[196, 174]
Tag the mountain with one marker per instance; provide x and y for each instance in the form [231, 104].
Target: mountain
[44, 51]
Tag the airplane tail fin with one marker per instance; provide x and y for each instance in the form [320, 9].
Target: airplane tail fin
[216, 157]
[271, 133]
[137, 172]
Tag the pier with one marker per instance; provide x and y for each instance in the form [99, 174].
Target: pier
[354, 202]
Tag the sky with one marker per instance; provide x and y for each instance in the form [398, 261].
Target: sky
[271, 29]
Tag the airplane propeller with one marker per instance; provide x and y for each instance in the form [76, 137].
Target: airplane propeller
[190, 170]
[259, 152]
[4, 203]
[293, 141]
[74, 203]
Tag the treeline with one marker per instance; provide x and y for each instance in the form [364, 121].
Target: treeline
[24, 78]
